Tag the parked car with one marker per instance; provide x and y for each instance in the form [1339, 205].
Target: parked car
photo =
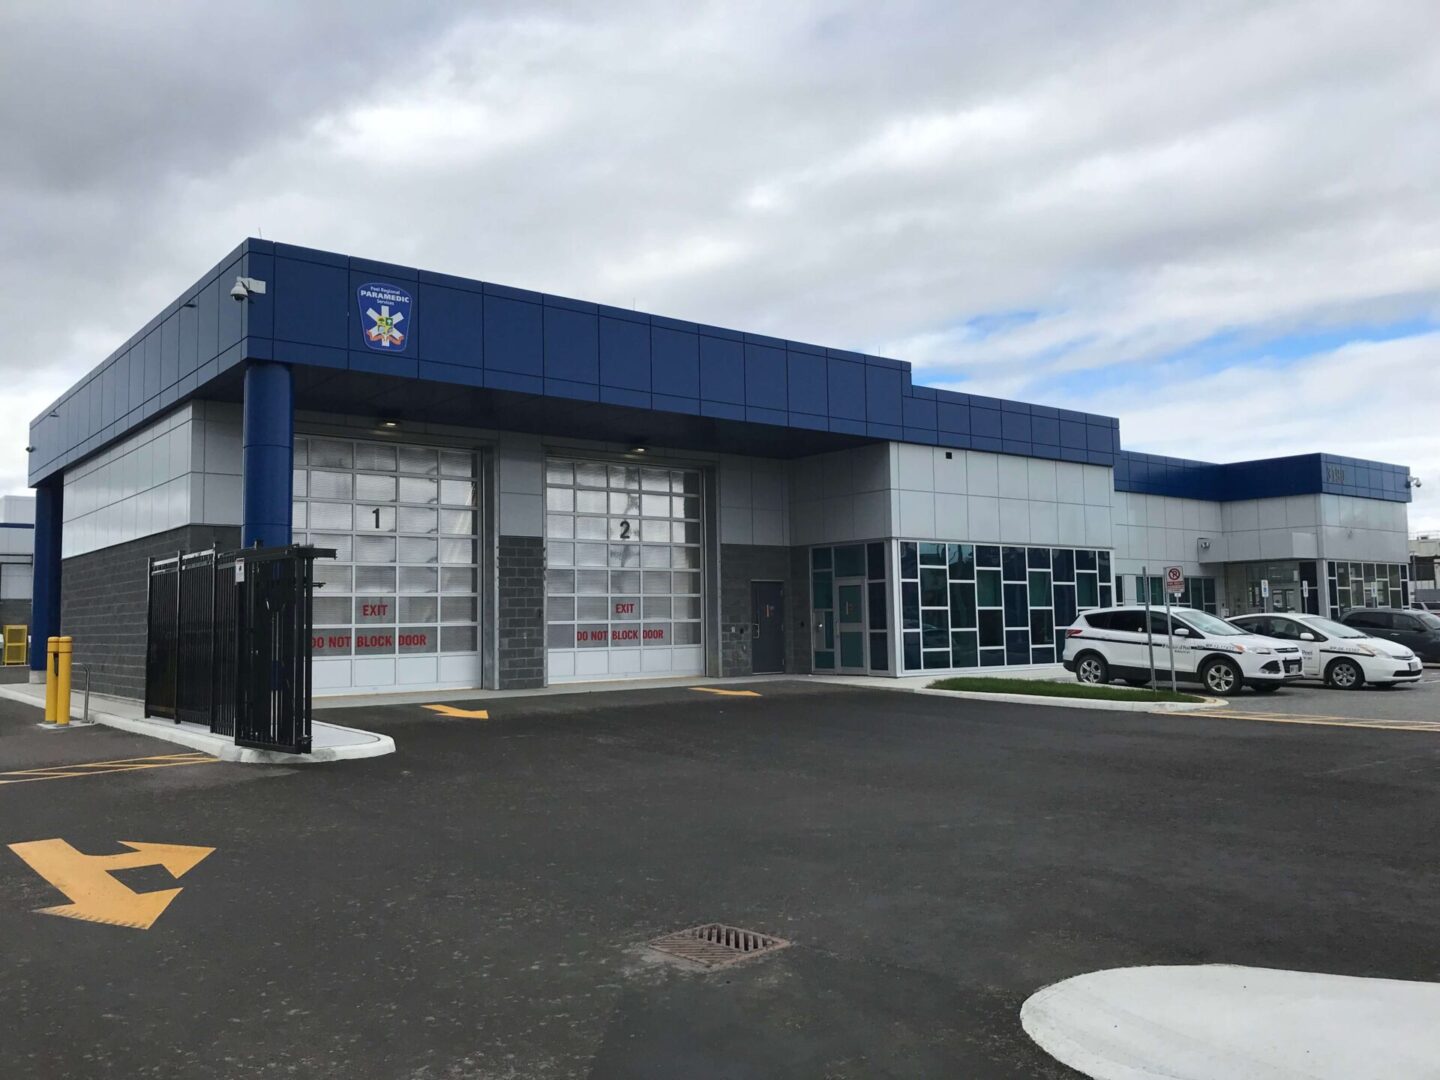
[1111, 643]
[1418, 631]
[1344, 656]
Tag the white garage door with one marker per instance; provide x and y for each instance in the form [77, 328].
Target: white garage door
[623, 571]
[399, 605]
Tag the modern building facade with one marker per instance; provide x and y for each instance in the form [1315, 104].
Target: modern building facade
[524, 489]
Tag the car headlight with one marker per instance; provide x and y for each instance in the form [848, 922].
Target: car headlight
[1365, 650]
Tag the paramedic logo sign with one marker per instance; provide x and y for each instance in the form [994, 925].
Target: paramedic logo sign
[385, 316]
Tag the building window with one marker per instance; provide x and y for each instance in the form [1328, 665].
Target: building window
[1359, 585]
[1200, 593]
[993, 605]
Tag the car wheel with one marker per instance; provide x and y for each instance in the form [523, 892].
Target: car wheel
[1345, 675]
[1220, 677]
[1265, 687]
[1092, 668]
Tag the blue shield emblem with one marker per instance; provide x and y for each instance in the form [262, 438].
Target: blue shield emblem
[386, 319]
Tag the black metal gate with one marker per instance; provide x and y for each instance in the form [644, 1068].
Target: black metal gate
[229, 640]
[273, 627]
[162, 638]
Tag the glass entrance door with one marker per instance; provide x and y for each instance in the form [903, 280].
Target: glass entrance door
[850, 625]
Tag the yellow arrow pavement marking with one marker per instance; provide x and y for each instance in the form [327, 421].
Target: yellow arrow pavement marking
[96, 896]
[1319, 721]
[92, 768]
[724, 693]
[468, 714]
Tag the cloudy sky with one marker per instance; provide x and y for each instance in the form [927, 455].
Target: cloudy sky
[1218, 221]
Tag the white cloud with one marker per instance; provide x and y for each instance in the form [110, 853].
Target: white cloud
[1371, 400]
[864, 176]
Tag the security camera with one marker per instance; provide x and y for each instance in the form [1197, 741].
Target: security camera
[246, 287]
[29, 449]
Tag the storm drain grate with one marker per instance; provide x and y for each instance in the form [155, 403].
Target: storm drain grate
[716, 945]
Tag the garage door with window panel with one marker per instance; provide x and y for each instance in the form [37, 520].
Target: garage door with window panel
[398, 606]
[623, 571]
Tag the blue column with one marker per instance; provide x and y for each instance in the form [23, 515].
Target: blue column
[269, 444]
[45, 599]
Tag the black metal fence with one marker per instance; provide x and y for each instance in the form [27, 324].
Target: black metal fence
[228, 643]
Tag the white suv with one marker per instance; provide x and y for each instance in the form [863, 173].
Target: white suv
[1344, 656]
[1111, 643]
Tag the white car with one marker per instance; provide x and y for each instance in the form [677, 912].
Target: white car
[1344, 656]
[1111, 643]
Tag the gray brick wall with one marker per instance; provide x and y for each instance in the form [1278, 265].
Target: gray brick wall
[14, 612]
[740, 564]
[520, 633]
[103, 602]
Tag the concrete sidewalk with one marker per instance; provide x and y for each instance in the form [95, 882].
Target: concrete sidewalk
[869, 682]
[329, 742]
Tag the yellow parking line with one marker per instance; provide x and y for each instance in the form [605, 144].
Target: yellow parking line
[95, 768]
[725, 693]
[1320, 721]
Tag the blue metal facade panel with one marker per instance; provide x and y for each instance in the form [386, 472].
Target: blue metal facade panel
[624, 355]
[479, 334]
[722, 373]
[1302, 474]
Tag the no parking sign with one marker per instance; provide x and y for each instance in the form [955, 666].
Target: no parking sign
[1174, 580]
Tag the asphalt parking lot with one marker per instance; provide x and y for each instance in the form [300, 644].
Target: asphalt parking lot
[1413, 703]
[477, 904]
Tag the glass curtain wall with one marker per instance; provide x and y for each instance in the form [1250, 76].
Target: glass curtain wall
[991, 605]
[1357, 585]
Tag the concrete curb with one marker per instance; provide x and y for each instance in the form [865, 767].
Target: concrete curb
[378, 745]
[1083, 703]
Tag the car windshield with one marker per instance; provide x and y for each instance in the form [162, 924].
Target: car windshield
[1333, 629]
[1209, 625]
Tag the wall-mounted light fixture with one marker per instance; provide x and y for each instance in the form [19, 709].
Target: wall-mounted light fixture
[390, 424]
[637, 450]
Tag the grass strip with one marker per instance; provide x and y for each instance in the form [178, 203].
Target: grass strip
[1039, 688]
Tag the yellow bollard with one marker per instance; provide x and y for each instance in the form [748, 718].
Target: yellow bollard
[65, 646]
[52, 681]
